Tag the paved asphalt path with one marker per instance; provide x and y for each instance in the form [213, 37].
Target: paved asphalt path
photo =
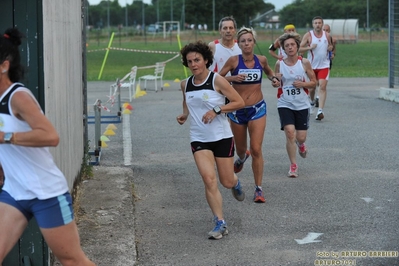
[344, 202]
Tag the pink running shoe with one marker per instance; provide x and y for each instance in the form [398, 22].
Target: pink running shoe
[293, 172]
[302, 149]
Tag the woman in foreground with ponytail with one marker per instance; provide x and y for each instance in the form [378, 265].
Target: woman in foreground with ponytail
[33, 185]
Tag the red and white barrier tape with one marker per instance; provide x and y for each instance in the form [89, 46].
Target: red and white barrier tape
[132, 50]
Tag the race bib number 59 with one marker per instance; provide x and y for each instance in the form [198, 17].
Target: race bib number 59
[251, 74]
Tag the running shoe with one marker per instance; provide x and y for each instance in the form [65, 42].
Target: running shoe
[302, 149]
[311, 108]
[259, 197]
[239, 164]
[293, 172]
[238, 193]
[219, 231]
[319, 115]
[316, 104]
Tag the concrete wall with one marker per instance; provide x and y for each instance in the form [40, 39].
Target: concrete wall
[62, 56]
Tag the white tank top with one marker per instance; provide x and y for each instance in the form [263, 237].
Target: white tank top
[318, 57]
[30, 172]
[289, 96]
[201, 98]
[221, 55]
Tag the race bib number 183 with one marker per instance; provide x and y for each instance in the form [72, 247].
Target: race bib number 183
[291, 91]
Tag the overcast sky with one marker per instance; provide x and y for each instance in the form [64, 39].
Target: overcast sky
[277, 3]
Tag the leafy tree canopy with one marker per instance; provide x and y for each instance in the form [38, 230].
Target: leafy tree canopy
[194, 12]
[300, 12]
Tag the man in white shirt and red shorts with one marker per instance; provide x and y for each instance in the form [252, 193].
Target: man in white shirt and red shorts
[317, 43]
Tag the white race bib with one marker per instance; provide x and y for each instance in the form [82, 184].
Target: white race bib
[290, 91]
[251, 74]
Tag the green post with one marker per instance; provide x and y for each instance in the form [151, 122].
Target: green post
[31, 249]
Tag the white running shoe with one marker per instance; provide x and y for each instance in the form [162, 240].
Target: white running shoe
[312, 108]
[319, 115]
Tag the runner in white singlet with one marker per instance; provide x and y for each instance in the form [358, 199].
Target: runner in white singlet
[317, 44]
[34, 187]
[297, 79]
[211, 137]
[226, 46]
[289, 28]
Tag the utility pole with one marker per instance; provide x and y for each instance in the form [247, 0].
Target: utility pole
[171, 10]
[143, 26]
[368, 25]
[109, 28]
[184, 15]
[213, 7]
[126, 13]
[158, 11]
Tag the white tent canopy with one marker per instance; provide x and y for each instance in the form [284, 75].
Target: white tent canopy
[344, 30]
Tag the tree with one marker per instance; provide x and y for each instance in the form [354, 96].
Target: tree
[301, 12]
[195, 13]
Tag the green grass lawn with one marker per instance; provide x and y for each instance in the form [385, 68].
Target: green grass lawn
[363, 59]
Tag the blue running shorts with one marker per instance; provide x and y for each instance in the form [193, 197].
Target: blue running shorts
[49, 213]
[248, 113]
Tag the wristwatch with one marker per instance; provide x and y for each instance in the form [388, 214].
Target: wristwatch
[7, 137]
[217, 110]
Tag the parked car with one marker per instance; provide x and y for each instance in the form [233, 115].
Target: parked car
[152, 28]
